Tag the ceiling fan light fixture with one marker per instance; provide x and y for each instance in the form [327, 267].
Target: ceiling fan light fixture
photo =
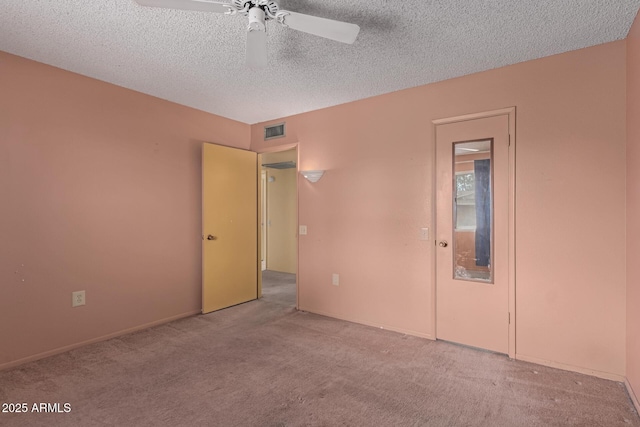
[256, 19]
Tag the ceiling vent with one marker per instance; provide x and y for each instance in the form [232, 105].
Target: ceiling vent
[274, 131]
[280, 165]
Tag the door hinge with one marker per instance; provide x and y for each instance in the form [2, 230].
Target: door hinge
[509, 318]
[509, 140]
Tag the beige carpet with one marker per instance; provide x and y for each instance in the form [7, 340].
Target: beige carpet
[265, 364]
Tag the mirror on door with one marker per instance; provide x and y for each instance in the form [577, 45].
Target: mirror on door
[473, 211]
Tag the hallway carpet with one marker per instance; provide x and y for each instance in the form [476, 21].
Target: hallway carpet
[265, 364]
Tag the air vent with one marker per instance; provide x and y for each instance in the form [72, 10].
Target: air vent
[274, 131]
[280, 165]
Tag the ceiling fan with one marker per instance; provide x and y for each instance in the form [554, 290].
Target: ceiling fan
[260, 11]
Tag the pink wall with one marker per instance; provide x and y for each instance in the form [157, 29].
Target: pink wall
[99, 190]
[633, 208]
[364, 215]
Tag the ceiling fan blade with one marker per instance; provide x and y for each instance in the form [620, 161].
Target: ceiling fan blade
[257, 49]
[197, 5]
[327, 28]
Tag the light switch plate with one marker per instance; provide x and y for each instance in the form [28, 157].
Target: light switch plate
[303, 230]
[424, 234]
[335, 279]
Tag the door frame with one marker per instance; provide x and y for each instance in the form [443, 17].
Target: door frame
[276, 149]
[510, 112]
[263, 227]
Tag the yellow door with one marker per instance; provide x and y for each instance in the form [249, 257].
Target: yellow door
[229, 227]
[472, 252]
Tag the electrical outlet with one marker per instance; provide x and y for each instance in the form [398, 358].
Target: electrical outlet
[303, 230]
[77, 299]
[335, 279]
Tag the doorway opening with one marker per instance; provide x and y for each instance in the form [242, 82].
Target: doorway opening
[279, 226]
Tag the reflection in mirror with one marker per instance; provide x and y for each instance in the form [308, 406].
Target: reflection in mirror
[472, 211]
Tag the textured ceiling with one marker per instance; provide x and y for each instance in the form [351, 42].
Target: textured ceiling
[197, 58]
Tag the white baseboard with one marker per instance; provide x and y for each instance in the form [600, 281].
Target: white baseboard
[565, 367]
[632, 395]
[66, 348]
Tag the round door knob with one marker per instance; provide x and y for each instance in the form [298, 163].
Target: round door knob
[210, 237]
[443, 244]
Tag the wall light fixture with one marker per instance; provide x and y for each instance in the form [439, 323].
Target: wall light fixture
[312, 176]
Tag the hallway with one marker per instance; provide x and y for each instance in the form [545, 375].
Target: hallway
[279, 288]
